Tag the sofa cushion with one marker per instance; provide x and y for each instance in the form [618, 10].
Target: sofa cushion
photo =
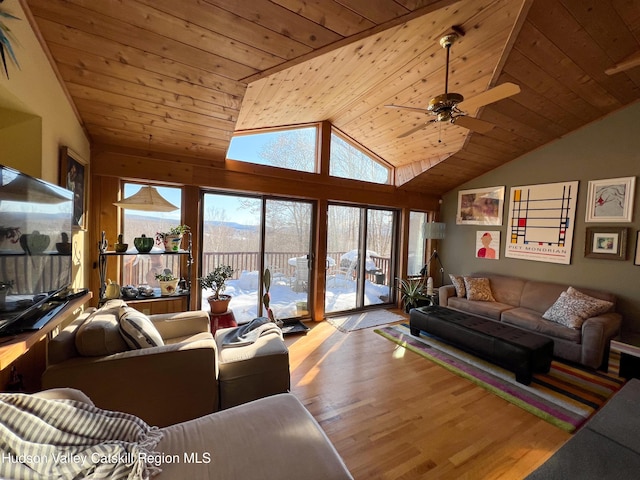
[458, 283]
[505, 289]
[137, 330]
[490, 310]
[99, 335]
[572, 308]
[478, 289]
[531, 320]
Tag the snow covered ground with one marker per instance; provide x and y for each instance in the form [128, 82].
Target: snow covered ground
[340, 295]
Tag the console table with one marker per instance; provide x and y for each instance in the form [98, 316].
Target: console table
[14, 347]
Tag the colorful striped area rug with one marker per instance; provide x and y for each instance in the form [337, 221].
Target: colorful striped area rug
[565, 397]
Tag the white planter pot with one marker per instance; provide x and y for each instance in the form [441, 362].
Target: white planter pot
[168, 287]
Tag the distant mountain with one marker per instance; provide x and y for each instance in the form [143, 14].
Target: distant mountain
[212, 223]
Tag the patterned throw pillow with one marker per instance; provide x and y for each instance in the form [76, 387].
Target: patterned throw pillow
[478, 289]
[138, 330]
[458, 283]
[572, 308]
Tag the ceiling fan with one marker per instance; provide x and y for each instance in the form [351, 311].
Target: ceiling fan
[450, 107]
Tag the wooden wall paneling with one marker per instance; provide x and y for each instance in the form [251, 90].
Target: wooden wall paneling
[191, 214]
[342, 19]
[180, 73]
[563, 29]
[273, 17]
[233, 26]
[105, 191]
[114, 52]
[88, 17]
[540, 50]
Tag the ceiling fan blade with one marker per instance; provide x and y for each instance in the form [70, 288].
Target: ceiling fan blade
[631, 61]
[404, 107]
[474, 124]
[414, 130]
[494, 94]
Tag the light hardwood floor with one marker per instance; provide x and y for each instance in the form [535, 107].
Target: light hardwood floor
[392, 414]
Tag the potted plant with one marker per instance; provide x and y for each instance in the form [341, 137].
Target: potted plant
[173, 238]
[216, 281]
[168, 282]
[412, 292]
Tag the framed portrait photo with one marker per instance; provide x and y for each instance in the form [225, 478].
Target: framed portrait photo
[636, 258]
[482, 206]
[610, 200]
[606, 242]
[74, 176]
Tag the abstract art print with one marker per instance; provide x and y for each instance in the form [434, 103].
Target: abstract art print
[610, 200]
[488, 244]
[541, 222]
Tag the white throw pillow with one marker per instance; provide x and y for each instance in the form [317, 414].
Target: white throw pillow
[572, 308]
[137, 330]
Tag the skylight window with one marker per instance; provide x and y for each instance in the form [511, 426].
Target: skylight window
[348, 161]
[294, 149]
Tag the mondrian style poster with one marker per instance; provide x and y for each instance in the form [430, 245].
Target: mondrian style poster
[541, 220]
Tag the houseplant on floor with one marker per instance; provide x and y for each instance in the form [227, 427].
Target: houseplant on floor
[412, 291]
[172, 239]
[216, 280]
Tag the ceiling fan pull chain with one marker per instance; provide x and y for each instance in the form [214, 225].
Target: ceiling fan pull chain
[440, 132]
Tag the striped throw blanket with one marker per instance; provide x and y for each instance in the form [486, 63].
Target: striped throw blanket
[69, 439]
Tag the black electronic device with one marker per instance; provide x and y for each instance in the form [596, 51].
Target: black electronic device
[35, 250]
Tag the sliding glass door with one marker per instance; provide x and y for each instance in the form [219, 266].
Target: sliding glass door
[254, 233]
[361, 257]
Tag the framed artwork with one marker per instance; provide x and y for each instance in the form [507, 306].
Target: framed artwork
[488, 244]
[636, 260]
[606, 242]
[610, 200]
[74, 175]
[541, 219]
[482, 206]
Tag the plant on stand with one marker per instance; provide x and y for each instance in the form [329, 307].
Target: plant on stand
[216, 281]
[168, 282]
[173, 238]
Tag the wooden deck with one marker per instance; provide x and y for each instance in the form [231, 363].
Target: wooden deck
[394, 415]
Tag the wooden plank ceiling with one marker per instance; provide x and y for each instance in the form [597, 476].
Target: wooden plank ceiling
[180, 77]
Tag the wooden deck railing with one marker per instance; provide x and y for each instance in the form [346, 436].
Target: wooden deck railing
[135, 271]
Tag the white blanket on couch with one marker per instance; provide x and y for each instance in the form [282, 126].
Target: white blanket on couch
[69, 439]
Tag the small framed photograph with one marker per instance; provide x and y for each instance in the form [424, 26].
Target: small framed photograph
[74, 176]
[482, 206]
[636, 260]
[610, 200]
[606, 242]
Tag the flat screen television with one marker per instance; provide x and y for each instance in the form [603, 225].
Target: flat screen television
[35, 249]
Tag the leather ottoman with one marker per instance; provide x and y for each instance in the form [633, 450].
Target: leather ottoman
[517, 350]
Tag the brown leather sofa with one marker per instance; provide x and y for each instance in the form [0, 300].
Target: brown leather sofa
[521, 303]
[183, 379]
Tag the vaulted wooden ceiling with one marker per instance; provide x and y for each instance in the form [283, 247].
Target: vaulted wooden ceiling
[181, 77]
